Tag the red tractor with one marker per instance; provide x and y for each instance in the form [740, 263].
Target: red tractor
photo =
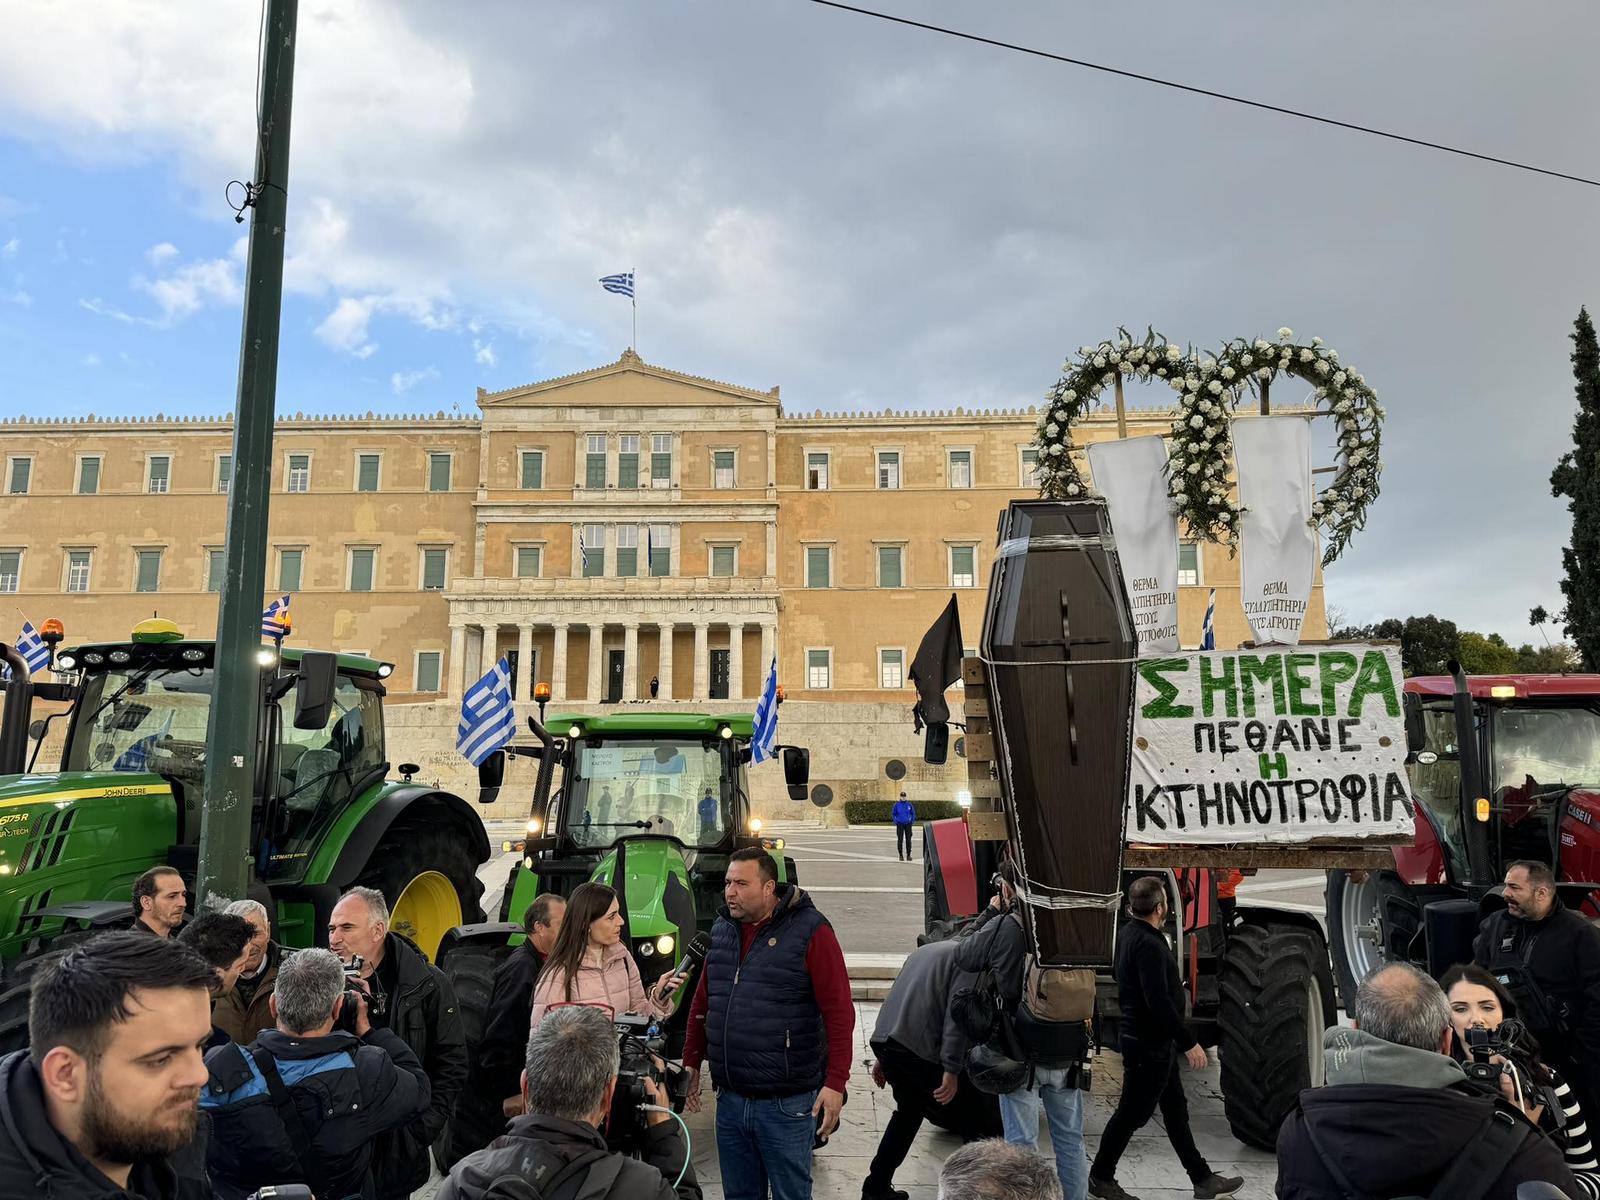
[1502, 767]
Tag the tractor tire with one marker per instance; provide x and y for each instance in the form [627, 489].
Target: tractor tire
[411, 851]
[1276, 1002]
[14, 1019]
[470, 968]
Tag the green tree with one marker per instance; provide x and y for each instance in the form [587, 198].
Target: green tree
[1426, 643]
[1577, 478]
[1480, 655]
[1546, 660]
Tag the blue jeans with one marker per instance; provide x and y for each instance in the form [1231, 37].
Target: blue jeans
[762, 1142]
[1063, 1108]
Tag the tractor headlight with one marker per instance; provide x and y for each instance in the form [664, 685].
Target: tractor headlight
[664, 944]
[266, 657]
[575, 731]
[385, 670]
[533, 827]
[725, 731]
[94, 658]
[755, 824]
[193, 654]
[527, 863]
[65, 662]
[646, 949]
[120, 657]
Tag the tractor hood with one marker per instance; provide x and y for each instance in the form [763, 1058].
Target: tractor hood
[655, 888]
[24, 797]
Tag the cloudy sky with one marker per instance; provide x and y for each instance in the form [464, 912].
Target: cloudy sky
[866, 214]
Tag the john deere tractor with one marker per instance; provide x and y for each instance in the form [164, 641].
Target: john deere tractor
[651, 804]
[128, 795]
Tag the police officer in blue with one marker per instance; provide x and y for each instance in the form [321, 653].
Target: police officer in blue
[905, 816]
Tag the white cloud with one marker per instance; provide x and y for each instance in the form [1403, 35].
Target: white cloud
[483, 353]
[18, 297]
[91, 359]
[403, 381]
[100, 308]
[160, 253]
[345, 328]
[9, 250]
[192, 287]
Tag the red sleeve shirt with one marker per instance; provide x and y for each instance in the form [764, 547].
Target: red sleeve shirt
[829, 981]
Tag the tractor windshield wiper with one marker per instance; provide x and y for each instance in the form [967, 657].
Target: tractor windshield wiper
[137, 677]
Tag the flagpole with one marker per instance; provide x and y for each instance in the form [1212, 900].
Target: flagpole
[634, 301]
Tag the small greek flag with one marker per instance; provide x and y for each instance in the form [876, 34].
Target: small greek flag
[621, 284]
[33, 650]
[137, 756]
[764, 737]
[583, 553]
[275, 620]
[488, 718]
[1208, 635]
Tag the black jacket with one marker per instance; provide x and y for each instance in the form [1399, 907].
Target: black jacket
[537, 1142]
[1393, 1138]
[1562, 952]
[422, 1011]
[346, 1090]
[1150, 990]
[997, 942]
[503, 1049]
[37, 1162]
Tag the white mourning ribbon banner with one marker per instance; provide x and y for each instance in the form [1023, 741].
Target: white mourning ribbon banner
[1277, 545]
[1131, 474]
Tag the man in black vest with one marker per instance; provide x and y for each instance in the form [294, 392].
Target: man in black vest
[1549, 958]
[780, 1069]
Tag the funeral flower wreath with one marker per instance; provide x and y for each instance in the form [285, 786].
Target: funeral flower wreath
[1200, 448]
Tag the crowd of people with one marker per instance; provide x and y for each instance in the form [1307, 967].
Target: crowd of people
[197, 1059]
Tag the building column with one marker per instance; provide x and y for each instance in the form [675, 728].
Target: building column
[702, 660]
[458, 662]
[736, 660]
[558, 664]
[475, 644]
[630, 661]
[524, 663]
[769, 644]
[597, 640]
[664, 660]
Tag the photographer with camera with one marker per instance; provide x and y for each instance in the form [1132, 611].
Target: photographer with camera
[306, 1100]
[412, 997]
[556, 1148]
[1399, 1117]
[1492, 1044]
[1548, 958]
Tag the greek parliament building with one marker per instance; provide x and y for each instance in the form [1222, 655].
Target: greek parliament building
[601, 530]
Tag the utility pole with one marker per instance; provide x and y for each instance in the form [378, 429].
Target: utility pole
[230, 766]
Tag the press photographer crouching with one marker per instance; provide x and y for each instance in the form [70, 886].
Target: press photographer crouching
[304, 1102]
[569, 1085]
[1495, 1047]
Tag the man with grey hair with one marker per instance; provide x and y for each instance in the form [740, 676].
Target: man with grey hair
[1399, 1117]
[245, 1010]
[994, 1169]
[567, 1086]
[413, 998]
[306, 1101]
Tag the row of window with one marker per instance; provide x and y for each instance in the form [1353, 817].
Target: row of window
[959, 471]
[361, 569]
[296, 472]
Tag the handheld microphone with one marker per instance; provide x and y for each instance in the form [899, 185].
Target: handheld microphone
[693, 954]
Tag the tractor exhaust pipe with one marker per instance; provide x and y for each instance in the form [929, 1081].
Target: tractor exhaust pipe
[1474, 805]
[18, 711]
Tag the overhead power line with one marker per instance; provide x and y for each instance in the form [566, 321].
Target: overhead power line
[1200, 91]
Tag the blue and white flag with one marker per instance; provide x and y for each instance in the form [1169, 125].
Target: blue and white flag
[488, 718]
[137, 756]
[1208, 635]
[764, 737]
[275, 620]
[621, 284]
[33, 650]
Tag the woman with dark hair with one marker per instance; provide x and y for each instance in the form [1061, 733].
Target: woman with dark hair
[590, 965]
[1479, 1001]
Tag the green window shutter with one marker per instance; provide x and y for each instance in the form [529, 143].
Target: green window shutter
[627, 561]
[528, 562]
[289, 562]
[21, 474]
[533, 470]
[10, 569]
[433, 564]
[627, 470]
[594, 471]
[722, 558]
[224, 472]
[89, 477]
[149, 578]
[214, 561]
[889, 574]
[367, 473]
[817, 573]
[361, 570]
[438, 472]
[160, 475]
[428, 671]
[661, 469]
[962, 566]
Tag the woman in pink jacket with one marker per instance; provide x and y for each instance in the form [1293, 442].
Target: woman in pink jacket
[590, 965]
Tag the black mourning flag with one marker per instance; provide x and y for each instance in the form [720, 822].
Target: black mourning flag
[937, 665]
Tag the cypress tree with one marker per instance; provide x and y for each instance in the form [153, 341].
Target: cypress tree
[1577, 477]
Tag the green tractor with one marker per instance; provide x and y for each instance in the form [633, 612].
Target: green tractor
[325, 815]
[651, 804]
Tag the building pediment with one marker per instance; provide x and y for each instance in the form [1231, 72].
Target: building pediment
[630, 382]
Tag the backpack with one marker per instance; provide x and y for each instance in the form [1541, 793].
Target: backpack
[1052, 1022]
[596, 1184]
[976, 1008]
[1469, 1177]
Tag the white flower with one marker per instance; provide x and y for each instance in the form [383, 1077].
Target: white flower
[1125, 343]
[1225, 517]
[1086, 350]
[1069, 395]
[1317, 508]
[1214, 387]
[1136, 353]
[1055, 450]
[1192, 382]
[1379, 411]
[1161, 371]
[1245, 360]
[1306, 356]
[1316, 341]
[1144, 370]
[1358, 492]
[1265, 372]
[1212, 430]
[1349, 393]
[1322, 367]
[1209, 364]
[1285, 333]
[1073, 489]
[1099, 360]
[1333, 354]
[1194, 468]
[1197, 422]
[1107, 378]
[1173, 352]
[1263, 344]
[1052, 429]
[1338, 378]
[1228, 372]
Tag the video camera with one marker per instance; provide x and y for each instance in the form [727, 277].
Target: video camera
[283, 1191]
[354, 994]
[640, 1058]
[1507, 1042]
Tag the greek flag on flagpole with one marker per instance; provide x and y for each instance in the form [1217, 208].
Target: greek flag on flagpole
[1208, 635]
[764, 737]
[275, 620]
[583, 553]
[488, 718]
[621, 284]
[32, 648]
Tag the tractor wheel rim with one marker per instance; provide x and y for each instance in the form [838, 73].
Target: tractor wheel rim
[427, 909]
[1316, 1065]
[1362, 929]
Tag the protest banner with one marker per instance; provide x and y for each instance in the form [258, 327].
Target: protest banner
[1269, 745]
[1131, 474]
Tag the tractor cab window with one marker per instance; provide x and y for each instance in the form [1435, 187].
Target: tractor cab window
[619, 789]
[1436, 784]
[1537, 755]
[319, 769]
[143, 719]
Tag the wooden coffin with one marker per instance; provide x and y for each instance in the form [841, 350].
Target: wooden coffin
[1059, 645]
